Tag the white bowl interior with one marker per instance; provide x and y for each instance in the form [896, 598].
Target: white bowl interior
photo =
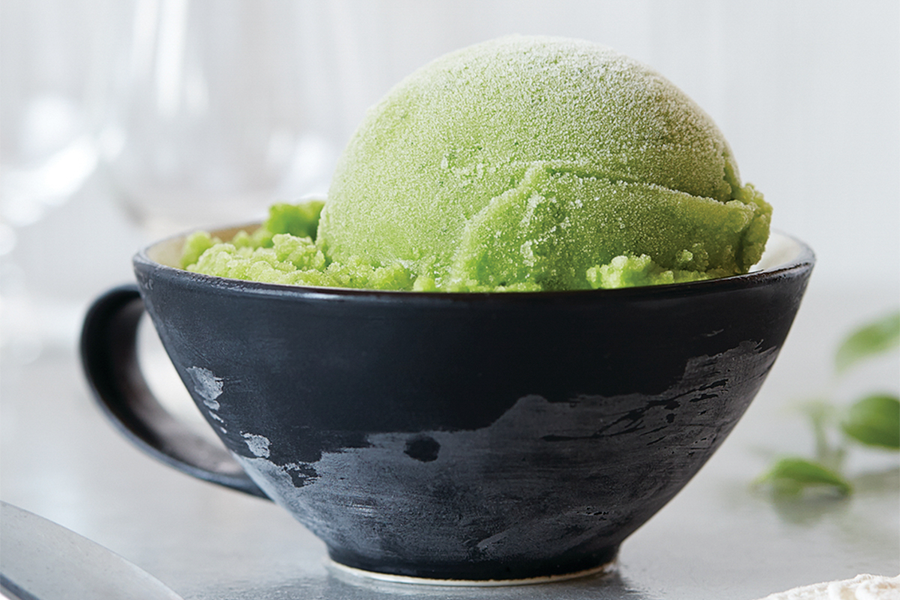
[780, 250]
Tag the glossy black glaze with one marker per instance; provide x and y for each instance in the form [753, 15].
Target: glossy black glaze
[466, 436]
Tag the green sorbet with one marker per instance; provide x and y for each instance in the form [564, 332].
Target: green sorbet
[525, 162]
[518, 164]
[284, 250]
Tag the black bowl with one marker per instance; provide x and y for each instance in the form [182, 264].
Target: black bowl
[450, 436]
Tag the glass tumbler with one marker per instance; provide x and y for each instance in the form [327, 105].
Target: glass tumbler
[222, 108]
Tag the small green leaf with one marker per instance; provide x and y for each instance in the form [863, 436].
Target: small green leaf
[874, 338]
[793, 475]
[874, 421]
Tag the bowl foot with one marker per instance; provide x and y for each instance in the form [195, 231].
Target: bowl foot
[475, 577]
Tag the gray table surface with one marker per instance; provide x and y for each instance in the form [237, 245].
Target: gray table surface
[719, 538]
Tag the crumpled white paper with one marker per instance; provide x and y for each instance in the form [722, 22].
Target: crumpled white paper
[861, 587]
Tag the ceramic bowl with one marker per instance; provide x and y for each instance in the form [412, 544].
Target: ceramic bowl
[473, 437]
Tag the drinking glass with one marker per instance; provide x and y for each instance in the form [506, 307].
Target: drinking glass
[223, 107]
[51, 87]
[54, 64]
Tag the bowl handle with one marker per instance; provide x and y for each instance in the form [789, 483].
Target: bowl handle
[109, 358]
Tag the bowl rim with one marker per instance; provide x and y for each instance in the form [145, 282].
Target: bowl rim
[801, 262]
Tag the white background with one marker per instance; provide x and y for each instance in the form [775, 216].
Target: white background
[807, 92]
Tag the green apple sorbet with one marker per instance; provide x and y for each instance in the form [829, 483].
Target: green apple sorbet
[518, 164]
[283, 250]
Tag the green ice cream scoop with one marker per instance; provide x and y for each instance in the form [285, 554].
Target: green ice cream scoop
[541, 163]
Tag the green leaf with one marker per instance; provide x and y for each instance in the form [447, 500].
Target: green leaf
[793, 475]
[874, 421]
[871, 339]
